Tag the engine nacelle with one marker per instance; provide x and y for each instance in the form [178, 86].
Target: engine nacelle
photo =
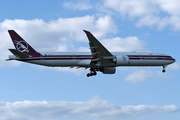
[121, 60]
[109, 70]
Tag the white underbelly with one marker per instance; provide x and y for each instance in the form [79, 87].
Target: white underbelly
[61, 63]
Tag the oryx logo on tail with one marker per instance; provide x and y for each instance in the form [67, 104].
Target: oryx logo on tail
[21, 46]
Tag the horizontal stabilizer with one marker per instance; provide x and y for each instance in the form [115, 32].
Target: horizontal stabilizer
[18, 54]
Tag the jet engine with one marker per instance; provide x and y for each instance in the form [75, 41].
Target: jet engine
[109, 70]
[121, 60]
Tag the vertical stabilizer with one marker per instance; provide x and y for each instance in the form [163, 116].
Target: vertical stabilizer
[21, 45]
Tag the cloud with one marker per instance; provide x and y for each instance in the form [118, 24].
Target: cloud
[55, 35]
[131, 8]
[128, 44]
[142, 74]
[77, 71]
[169, 6]
[159, 13]
[80, 5]
[94, 108]
[151, 20]
[174, 66]
[139, 75]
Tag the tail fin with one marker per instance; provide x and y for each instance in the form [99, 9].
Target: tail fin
[21, 45]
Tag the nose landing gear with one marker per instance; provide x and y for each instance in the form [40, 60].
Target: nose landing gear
[164, 66]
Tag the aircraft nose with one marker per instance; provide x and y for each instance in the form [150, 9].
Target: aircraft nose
[173, 60]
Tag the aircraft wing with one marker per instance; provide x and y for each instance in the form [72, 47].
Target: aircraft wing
[101, 56]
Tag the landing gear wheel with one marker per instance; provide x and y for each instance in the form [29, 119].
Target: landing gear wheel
[88, 75]
[163, 71]
[93, 72]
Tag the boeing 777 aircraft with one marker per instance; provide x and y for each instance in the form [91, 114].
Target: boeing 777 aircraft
[100, 59]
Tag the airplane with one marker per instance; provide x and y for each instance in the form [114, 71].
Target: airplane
[98, 60]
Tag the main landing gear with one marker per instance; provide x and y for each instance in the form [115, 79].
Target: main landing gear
[93, 72]
[164, 66]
